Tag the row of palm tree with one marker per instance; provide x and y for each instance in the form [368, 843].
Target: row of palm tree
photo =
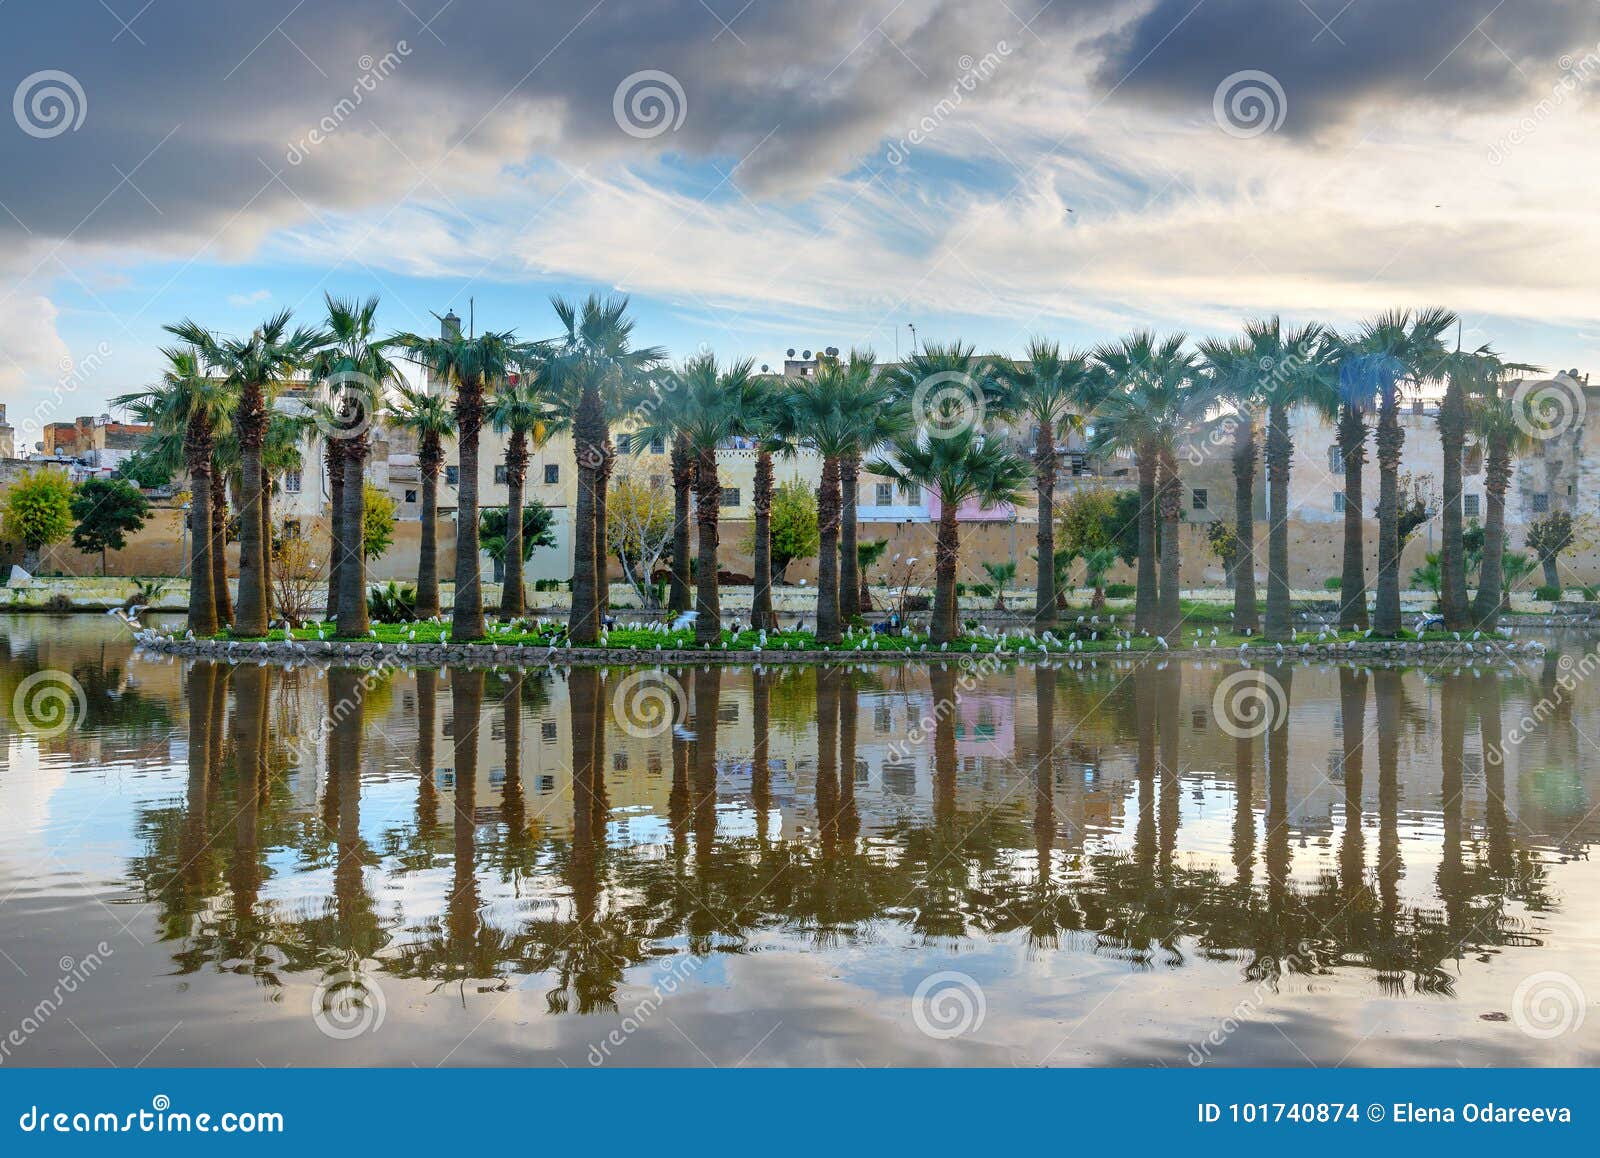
[1155, 398]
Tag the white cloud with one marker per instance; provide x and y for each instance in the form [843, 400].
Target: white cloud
[250, 299]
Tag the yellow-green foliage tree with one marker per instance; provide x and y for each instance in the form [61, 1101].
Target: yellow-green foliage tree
[377, 521]
[38, 512]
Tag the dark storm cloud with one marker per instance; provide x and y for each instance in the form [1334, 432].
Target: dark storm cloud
[1335, 59]
[194, 107]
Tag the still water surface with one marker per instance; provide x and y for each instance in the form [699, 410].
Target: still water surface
[242, 865]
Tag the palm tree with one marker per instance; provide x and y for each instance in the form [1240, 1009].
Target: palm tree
[765, 424]
[1505, 434]
[256, 367]
[1237, 380]
[355, 361]
[475, 366]
[430, 420]
[1050, 389]
[1295, 368]
[682, 466]
[707, 407]
[592, 365]
[963, 465]
[189, 408]
[519, 407]
[826, 413]
[1395, 345]
[1348, 406]
[1152, 399]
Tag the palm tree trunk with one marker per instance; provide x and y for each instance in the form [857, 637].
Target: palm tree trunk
[1452, 551]
[828, 628]
[583, 625]
[761, 617]
[336, 537]
[1491, 581]
[682, 479]
[1170, 609]
[466, 617]
[1246, 619]
[202, 576]
[602, 561]
[849, 580]
[1144, 606]
[946, 554]
[1280, 450]
[1353, 583]
[428, 561]
[266, 542]
[250, 615]
[708, 503]
[221, 600]
[1044, 479]
[513, 602]
[1390, 442]
[353, 621]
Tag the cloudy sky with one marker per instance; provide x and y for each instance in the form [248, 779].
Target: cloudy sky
[761, 174]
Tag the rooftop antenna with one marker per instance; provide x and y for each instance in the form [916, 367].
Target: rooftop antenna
[472, 314]
[912, 326]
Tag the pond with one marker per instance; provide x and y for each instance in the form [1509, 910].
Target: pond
[1100, 863]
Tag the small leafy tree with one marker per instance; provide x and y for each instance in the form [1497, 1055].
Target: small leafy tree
[1548, 537]
[536, 532]
[1000, 574]
[145, 468]
[794, 525]
[38, 512]
[108, 510]
[1223, 540]
[296, 585]
[1098, 563]
[377, 521]
[1428, 577]
[639, 528]
[867, 557]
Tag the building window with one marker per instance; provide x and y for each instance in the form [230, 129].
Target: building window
[552, 474]
[411, 496]
[1541, 503]
[291, 482]
[547, 731]
[500, 475]
[658, 446]
[452, 476]
[883, 494]
[1335, 460]
[730, 496]
[1469, 506]
[1338, 502]
[1200, 498]
[657, 482]
[291, 528]
[623, 443]
[619, 760]
[911, 494]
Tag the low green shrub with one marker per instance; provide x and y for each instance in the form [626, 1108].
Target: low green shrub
[1548, 594]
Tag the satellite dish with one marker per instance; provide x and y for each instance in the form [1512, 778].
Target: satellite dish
[833, 351]
[807, 355]
[790, 352]
[763, 367]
